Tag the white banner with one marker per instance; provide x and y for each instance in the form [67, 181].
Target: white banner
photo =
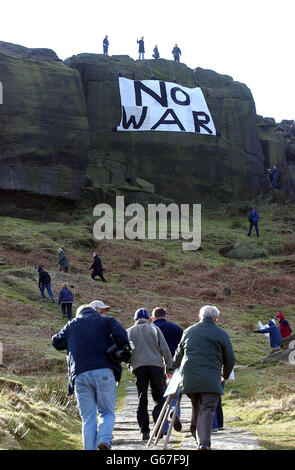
[153, 105]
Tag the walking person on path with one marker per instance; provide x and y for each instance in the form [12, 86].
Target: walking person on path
[172, 334]
[91, 373]
[253, 218]
[149, 360]
[204, 354]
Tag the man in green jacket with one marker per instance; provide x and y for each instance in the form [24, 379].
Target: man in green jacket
[204, 354]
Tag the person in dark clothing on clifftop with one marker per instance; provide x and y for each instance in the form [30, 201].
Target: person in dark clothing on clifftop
[176, 53]
[141, 50]
[97, 268]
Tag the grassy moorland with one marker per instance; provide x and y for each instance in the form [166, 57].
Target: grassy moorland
[35, 411]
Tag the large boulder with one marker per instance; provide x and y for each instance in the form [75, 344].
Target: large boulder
[43, 124]
[244, 249]
[187, 167]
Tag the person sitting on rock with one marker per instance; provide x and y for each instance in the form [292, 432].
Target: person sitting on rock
[253, 218]
[97, 268]
[156, 54]
[284, 326]
[275, 337]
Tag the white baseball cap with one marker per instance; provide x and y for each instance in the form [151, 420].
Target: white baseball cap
[98, 304]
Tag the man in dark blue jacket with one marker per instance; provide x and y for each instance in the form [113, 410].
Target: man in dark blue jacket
[86, 339]
[173, 334]
[45, 283]
[253, 218]
[275, 337]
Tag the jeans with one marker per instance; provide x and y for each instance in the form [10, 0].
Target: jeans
[255, 224]
[154, 376]
[203, 409]
[141, 56]
[42, 289]
[96, 392]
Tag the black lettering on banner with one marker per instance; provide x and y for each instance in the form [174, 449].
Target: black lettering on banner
[201, 122]
[173, 92]
[132, 121]
[163, 120]
[139, 87]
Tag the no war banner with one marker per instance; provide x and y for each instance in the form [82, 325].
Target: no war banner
[154, 105]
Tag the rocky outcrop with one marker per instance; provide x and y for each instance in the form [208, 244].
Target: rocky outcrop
[278, 145]
[57, 134]
[44, 128]
[182, 166]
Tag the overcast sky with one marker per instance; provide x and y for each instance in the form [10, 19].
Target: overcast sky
[252, 41]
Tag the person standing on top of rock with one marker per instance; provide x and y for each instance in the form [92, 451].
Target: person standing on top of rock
[156, 54]
[45, 283]
[105, 44]
[275, 337]
[141, 48]
[62, 261]
[147, 364]
[176, 53]
[284, 326]
[253, 218]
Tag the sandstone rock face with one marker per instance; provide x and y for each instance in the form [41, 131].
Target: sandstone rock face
[187, 167]
[43, 124]
[57, 138]
[278, 145]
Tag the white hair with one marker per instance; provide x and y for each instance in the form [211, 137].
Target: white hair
[79, 309]
[208, 311]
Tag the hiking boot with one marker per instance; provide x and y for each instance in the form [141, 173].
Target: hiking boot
[53, 301]
[104, 446]
[203, 447]
[145, 436]
[43, 300]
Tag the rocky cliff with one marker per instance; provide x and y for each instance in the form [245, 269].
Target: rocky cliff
[43, 124]
[57, 136]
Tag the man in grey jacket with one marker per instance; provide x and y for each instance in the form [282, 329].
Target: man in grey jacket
[148, 362]
[204, 354]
